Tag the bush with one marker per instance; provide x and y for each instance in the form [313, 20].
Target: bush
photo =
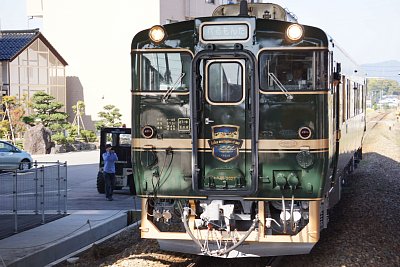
[70, 140]
[89, 136]
[19, 144]
[59, 139]
[72, 131]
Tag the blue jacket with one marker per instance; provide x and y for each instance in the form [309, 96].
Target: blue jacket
[109, 162]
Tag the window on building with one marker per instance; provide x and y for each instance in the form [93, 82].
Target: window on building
[23, 75]
[43, 47]
[23, 58]
[33, 54]
[43, 58]
[43, 76]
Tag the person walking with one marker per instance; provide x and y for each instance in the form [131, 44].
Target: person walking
[109, 158]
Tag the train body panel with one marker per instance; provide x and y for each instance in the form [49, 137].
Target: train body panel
[241, 135]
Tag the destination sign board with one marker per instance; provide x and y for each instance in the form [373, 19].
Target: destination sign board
[225, 32]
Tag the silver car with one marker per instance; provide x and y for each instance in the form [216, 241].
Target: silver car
[12, 158]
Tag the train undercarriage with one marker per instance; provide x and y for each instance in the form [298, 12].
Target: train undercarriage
[232, 228]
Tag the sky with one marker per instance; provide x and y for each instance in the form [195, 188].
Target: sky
[368, 30]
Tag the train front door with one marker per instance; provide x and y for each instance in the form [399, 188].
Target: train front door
[222, 127]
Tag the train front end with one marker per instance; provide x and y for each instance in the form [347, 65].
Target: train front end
[231, 146]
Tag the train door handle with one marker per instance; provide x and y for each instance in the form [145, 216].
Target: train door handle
[208, 121]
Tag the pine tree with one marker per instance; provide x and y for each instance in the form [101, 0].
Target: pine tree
[110, 117]
[46, 111]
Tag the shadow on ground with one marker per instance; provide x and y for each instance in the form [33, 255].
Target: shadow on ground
[12, 224]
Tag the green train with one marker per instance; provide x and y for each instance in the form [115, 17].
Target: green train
[244, 126]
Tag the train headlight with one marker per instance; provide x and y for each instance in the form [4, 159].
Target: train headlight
[295, 32]
[157, 34]
[305, 159]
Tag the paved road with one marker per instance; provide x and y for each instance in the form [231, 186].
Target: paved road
[82, 192]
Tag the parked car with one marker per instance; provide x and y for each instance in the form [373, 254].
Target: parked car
[11, 157]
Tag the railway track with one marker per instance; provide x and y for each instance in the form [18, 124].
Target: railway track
[211, 262]
[374, 121]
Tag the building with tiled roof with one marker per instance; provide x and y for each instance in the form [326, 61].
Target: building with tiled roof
[29, 63]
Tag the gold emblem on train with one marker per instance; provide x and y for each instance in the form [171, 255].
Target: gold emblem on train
[225, 142]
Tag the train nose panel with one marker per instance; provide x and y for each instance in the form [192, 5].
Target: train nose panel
[224, 178]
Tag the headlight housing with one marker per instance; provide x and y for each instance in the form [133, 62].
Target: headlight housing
[295, 32]
[157, 34]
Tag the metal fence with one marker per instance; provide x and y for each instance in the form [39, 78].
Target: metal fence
[40, 191]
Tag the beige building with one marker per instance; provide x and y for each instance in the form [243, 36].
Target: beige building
[95, 36]
[29, 63]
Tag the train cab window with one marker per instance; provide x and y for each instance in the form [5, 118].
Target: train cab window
[125, 139]
[118, 139]
[165, 71]
[293, 70]
[225, 82]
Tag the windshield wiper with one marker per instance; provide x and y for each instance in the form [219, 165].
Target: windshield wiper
[280, 85]
[172, 88]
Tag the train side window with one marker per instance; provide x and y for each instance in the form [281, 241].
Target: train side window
[356, 99]
[348, 116]
[225, 82]
[343, 101]
[362, 99]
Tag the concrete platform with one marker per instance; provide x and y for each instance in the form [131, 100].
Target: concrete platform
[49, 242]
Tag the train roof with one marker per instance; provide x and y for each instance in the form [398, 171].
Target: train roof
[258, 10]
[269, 19]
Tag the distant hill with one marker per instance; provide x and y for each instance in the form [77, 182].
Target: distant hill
[388, 70]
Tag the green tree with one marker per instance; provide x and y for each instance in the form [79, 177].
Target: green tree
[79, 107]
[46, 111]
[388, 87]
[110, 117]
[88, 136]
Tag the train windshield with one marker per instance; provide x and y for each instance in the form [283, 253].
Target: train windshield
[165, 71]
[225, 81]
[293, 70]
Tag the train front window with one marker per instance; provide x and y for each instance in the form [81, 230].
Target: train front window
[293, 70]
[225, 81]
[165, 71]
